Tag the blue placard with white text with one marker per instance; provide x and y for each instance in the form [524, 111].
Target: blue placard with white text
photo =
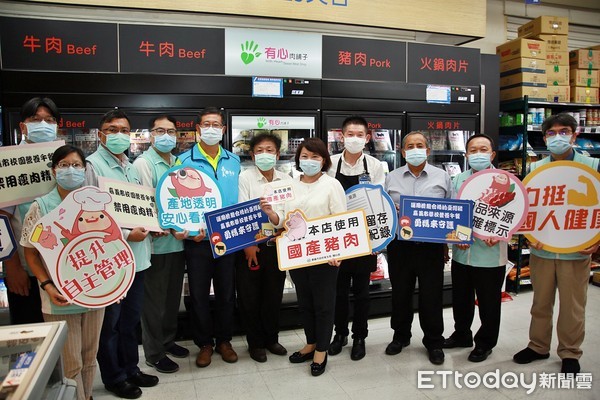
[435, 220]
[236, 227]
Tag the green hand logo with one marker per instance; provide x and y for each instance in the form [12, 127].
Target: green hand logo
[249, 52]
[261, 122]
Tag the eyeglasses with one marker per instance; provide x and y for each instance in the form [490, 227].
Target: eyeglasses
[65, 165]
[562, 132]
[114, 129]
[216, 125]
[36, 118]
[161, 131]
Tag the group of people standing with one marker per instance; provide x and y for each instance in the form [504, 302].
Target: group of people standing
[161, 258]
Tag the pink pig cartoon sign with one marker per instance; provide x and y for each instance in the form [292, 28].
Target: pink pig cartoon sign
[310, 242]
[183, 195]
[84, 251]
[501, 203]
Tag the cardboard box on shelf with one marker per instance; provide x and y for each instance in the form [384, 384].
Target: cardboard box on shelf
[557, 58]
[535, 93]
[584, 77]
[554, 42]
[557, 75]
[522, 64]
[523, 78]
[545, 24]
[582, 95]
[559, 94]
[585, 58]
[520, 47]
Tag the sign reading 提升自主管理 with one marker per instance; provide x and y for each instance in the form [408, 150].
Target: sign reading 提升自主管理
[435, 220]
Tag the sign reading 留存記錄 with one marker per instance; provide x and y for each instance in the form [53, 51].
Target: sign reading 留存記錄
[564, 211]
[435, 220]
[133, 205]
[8, 244]
[25, 172]
[501, 203]
[83, 249]
[382, 219]
[236, 227]
[310, 242]
[183, 195]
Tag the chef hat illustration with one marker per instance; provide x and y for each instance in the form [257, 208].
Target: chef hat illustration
[92, 199]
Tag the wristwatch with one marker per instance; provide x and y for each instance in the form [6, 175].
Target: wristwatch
[46, 282]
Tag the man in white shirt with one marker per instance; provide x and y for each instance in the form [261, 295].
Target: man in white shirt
[350, 168]
[259, 280]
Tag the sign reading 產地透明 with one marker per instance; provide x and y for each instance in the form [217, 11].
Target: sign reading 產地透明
[183, 195]
[564, 206]
[310, 242]
[382, 218]
[236, 227]
[25, 173]
[83, 248]
[133, 205]
[501, 203]
[435, 220]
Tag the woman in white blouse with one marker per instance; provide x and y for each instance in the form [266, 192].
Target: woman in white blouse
[317, 195]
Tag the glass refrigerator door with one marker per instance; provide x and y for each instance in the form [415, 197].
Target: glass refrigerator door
[447, 136]
[292, 129]
[385, 131]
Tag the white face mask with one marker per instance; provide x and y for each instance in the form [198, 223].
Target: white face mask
[354, 144]
[211, 136]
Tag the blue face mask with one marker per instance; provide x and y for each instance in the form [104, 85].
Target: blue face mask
[39, 132]
[117, 143]
[559, 144]
[310, 167]
[480, 161]
[164, 143]
[265, 161]
[416, 157]
[70, 178]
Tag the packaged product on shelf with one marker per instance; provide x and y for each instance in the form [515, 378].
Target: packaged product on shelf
[545, 24]
[437, 140]
[584, 77]
[584, 95]
[585, 58]
[140, 142]
[557, 75]
[185, 140]
[381, 140]
[452, 168]
[521, 47]
[530, 78]
[522, 64]
[554, 42]
[535, 93]
[559, 94]
[556, 58]
[456, 140]
[334, 141]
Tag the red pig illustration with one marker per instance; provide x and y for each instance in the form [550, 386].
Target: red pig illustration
[188, 182]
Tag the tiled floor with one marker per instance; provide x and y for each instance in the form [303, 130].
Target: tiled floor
[379, 376]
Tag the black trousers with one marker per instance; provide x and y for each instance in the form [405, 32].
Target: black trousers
[409, 261]
[354, 273]
[259, 296]
[315, 288]
[203, 269]
[486, 283]
[25, 309]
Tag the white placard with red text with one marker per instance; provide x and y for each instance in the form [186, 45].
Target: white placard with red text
[83, 248]
[564, 206]
[310, 242]
[25, 173]
[500, 203]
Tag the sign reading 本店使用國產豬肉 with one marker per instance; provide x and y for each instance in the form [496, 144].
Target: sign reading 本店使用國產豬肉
[435, 220]
[310, 242]
[183, 195]
[26, 172]
[564, 206]
[501, 203]
[84, 250]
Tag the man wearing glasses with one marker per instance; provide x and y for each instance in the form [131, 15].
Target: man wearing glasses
[209, 157]
[118, 350]
[569, 273]
[38, 124]
[164, 278]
